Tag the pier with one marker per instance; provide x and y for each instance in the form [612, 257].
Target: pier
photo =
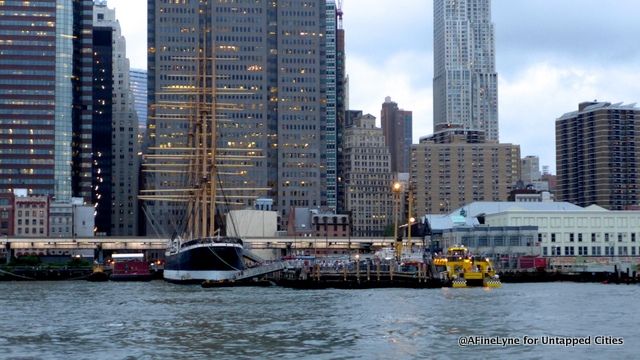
[358, 275]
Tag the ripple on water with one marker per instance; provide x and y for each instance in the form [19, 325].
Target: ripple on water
[47, 320]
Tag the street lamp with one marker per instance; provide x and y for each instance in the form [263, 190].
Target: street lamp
[396, 188]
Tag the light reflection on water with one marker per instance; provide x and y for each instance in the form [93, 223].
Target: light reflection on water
[77, 320]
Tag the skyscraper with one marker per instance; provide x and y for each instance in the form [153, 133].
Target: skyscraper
[455, 167]
[530, 169]
[45, 102]
[397, 129]
[368, 178]
[465, 84]
[138, 83]
[115, 130]
[272, 82]
[598, 155]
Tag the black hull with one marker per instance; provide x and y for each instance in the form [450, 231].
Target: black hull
[198, 262]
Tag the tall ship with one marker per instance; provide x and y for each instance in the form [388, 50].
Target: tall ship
[198, 249]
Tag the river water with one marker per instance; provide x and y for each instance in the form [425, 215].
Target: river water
[158, 320]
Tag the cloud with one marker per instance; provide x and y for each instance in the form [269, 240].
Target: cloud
[550, 55]
[132, 15]
[402, 77]
[534, 97]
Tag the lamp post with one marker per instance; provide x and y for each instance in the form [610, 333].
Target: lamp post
[396, 188]
[410, 219]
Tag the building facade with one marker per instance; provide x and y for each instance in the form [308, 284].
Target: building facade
[530, 169]
[592, 232]
[598, 155]
[465, 84]
[31, 215]
[397, 128]
[115, 130]
[346, 122]
[455, 167]
[272, 100]
[6, 214]
[45, 102]
[368, 178]
[71, 219]
[138, 85]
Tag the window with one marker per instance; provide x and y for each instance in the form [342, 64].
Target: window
[580, 238]
[619, 237]
[593, 237]
[633, 237]
[553, 237]
[540, 238]
[544, 251]
[606, 237]
[571, 237]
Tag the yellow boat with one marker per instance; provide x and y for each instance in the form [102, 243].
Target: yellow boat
[464, 270]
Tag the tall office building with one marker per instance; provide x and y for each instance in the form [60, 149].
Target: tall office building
[530, 169]
[273, 96]
[115, 130]
[349, 118]
[455, 167]
[138, 84]
[598, 155]
[341, 106]
[465, 84]
[397, 128]
[45, 97]
[368, 178]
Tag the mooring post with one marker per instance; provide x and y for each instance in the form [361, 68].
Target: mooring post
[368, 271]
[378, 269]
[391, 266]
[344, 272]
[9, 252]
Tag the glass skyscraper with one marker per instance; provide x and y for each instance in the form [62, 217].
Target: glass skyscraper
[45, 97]
[465, 84]
[274, 96]
[138, 83]
[115, 130]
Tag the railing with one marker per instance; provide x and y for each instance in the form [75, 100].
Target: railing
[260, 270]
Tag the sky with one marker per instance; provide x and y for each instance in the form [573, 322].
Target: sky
[550, 56]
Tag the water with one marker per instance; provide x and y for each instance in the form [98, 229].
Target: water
[158, 320]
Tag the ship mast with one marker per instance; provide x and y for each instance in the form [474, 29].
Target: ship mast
[198, 156]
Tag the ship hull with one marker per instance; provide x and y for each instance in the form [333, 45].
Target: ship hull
[205, 261]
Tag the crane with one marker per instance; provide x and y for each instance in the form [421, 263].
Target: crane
[339, 13]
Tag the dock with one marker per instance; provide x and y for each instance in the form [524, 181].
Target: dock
[359, 275]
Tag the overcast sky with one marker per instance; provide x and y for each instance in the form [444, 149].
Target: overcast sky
[550, 55]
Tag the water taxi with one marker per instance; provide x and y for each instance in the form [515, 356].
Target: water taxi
[464, 270]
